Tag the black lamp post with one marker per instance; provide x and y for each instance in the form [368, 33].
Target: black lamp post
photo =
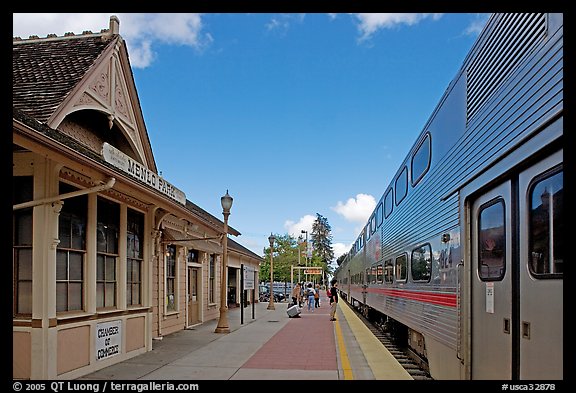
[223, 326]
[271, 239]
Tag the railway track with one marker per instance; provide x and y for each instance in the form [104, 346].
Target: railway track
[405, 357]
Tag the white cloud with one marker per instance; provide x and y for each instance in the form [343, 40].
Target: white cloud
[356, 209]
[372, 22]
[305, 223]
[477, 25]
[340, 248]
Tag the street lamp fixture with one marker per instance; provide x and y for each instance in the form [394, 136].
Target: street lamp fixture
[306, 250]
[223, 326]
[271, 239]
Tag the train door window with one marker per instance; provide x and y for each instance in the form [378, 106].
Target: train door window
[388, 203]
[421, 160]
[492, 238]
[373, 275]
[421, 263]
[379, 215]
[368, 276]
[388, 271]
[401, 270]
[401, 186]
[546, 226]
[379, 274]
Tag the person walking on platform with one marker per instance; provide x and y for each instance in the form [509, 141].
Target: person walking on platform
[296, 294]
[333, 298]
[317, 296]
[311, 293]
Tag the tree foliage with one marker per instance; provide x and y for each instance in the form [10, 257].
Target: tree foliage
[341, 258]
[322, 239]
[286, 249]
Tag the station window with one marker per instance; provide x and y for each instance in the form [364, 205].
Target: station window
[401, 186]
[546, 220]
[492, 241]
[421, 262]
[388, 203]
[134, 257]
[70, 252]
[171, 278]
[401, 267]
[22, 191]
[107, 229]
[212, 279]
[421, 160]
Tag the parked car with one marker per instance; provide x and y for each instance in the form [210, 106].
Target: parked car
[265, 294]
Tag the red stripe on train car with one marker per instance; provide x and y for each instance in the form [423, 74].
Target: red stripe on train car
[442, 299]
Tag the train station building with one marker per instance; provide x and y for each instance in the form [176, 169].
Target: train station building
[108, 255]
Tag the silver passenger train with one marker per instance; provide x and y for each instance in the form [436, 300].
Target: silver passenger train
[462, 258]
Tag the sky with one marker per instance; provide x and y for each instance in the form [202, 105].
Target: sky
[293, 114]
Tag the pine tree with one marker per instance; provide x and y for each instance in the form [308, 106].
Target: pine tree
[322, 239]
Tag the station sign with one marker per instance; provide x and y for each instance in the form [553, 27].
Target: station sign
[312, 271]
[138, 171]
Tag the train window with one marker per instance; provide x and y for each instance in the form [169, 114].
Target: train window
[379, 215]
[546, 219]
[373, 223]
[388, 271]
[368, 230]
[421, 263]
[379, 277]
[388, 203]
[492, 241]
[401, 270]
[421, 160]
[401, 186]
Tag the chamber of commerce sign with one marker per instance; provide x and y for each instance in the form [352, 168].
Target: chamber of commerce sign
[138, 171]
[108, 339]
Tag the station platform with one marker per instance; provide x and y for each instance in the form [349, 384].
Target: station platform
[267, 345]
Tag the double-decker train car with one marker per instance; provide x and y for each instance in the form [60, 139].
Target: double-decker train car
[462, 258]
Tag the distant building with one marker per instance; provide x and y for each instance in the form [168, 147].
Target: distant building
[107, 254]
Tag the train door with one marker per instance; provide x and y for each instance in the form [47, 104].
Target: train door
[492, 284]
[541, 272]
[517, 276]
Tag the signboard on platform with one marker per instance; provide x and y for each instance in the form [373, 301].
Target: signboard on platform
[248, 277]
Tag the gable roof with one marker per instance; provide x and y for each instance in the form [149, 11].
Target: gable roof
[45, 71]
[55, 76]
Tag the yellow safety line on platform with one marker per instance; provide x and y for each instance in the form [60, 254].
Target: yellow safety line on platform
[344, 361]
[383, 364]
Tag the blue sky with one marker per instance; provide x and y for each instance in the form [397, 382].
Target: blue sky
[293, 114]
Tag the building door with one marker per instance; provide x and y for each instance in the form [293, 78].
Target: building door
[517, 279]
[193, 296]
